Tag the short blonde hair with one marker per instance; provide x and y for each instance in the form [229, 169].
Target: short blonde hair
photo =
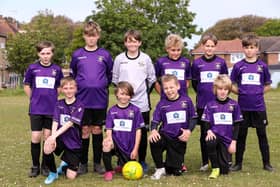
[169, 77]
[222, 81]
[66, 80]
[92, 28]
[174, 40]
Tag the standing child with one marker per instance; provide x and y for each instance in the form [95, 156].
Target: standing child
[136, 67]
[177, 117]
[251, 80]
[204, 71]
[123, 130]
[174, 64]
[41, 85]
[66, 133]
[222, 117]
[91, 67]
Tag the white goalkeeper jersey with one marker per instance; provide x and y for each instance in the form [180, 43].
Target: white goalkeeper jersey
[140, 73]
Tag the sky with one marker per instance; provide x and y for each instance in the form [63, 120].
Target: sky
[207, 12]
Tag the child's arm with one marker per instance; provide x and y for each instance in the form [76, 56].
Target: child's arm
[134, 152]
[157, 87]
[234, 88]
[210, 135]
[54, 126]
[27, 90]
[232, 146]
[187, 83]
[61, 130]
[266, 88]
[154, 136]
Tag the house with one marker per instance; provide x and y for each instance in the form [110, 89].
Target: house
[7, 26]
[232, 52]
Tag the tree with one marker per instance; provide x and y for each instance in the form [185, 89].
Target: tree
[228, 29]
[44, 26]
[269, 28]
[154, 18]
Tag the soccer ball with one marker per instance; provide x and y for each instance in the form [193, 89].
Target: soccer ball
[132, 170]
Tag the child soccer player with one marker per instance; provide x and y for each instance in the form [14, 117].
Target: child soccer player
[177, 118]
[66, 133]
[251, 80]
[173, 64]
[91, 67]
[204, 71]
[136, 67]
[123, 130]
[222, 117]
[41, 85]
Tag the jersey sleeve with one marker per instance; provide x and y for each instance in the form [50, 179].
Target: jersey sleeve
[28, 77]
[139, 119]
[116, 71]
[109, 121]
[109, 67]
[77, 115]
[58, 78]
[73, 66]
[224, 69]
[267, 76]
[195, 71]
[151, 76]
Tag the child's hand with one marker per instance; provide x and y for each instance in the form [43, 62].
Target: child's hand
[154, 136]
[232, 147]
[134, 154]
[186, 133]
[50, 145]
[210, 135]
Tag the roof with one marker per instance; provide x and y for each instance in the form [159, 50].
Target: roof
[7, 26]
[223, 47]
[270, 44]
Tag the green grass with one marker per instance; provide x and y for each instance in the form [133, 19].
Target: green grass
[15, 153]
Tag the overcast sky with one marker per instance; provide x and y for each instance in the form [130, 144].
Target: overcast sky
[207, 12]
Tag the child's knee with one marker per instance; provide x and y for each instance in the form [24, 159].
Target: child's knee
[85, 131]
[107, 146]
[70, 174]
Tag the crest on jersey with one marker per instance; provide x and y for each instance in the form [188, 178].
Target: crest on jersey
[182, 64]
[260, 68]
[230, 108]
[54, 72]
[100, 59]
[141, 63]
[184, 104]
[218, 66]
[131, 113]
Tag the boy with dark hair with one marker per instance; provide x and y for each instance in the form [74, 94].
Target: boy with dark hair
[204, 71]
[251, 80]
[123, 130]
[137, 68]
[41, 85]
[66, 133]
[222, 117]
[91, 67]
[177, 118]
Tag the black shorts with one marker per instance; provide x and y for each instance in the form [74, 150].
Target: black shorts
[254, 119]
[94, 117]
[39, 122]
[199, 114]
[71, 157]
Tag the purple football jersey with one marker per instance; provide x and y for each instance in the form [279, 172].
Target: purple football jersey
[43, 81]
[124, 122]
[251, 79]
[70, 112]
[181, 68]
[174, 115]
[205, 71]
[93, 72]
[222, 116]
